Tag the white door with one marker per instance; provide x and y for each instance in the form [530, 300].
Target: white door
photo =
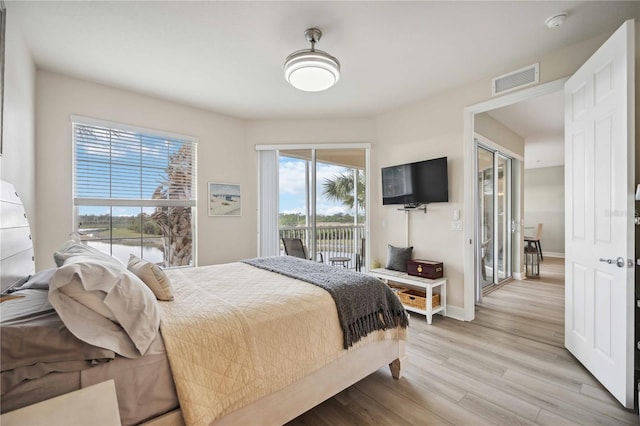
[599, 174]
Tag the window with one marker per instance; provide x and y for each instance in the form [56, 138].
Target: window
[135, 192]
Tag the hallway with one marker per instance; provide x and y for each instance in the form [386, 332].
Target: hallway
[533, 308]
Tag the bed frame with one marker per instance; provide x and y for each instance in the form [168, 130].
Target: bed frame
[16, 261]
[290, 402]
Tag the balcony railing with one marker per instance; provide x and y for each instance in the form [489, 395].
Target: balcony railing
[331, 241]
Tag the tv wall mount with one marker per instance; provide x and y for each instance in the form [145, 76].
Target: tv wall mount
[412, 207]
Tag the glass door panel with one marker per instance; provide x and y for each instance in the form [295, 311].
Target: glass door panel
[494, 218]
[486, 191]
[296, 215]
[340, 206]
[503, 221]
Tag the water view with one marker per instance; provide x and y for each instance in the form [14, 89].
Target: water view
[122, 252]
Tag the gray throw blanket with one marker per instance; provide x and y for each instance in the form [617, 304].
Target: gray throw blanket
[364, 303]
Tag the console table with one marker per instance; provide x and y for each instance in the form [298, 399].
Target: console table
[422, 283]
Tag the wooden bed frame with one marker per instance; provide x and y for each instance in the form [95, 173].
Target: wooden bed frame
[277, 408]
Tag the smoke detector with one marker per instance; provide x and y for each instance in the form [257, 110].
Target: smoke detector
[556, 20]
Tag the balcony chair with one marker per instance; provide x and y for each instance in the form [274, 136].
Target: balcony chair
[484, 249]
[294, 247]
[360, 259]
[535, 239]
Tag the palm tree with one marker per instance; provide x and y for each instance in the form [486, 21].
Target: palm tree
[175, 221]
[340, 188]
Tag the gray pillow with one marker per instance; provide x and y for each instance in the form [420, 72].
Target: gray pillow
[397, 258]
[37, 281]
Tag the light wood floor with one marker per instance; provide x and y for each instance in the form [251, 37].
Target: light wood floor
[508, 367]
[533, 309]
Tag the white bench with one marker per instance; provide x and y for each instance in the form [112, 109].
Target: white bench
[423, 283]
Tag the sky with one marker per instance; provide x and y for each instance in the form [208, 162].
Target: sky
[100, 153]
[292, 185]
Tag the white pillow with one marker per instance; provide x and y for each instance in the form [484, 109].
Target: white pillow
[105, 305]
[94, 300]
[72, 248]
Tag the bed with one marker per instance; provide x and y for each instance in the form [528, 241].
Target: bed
[237, 344]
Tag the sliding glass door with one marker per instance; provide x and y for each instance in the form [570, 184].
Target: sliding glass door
[494, 217]
[321, 196]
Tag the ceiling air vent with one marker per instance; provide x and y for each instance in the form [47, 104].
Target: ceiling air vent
[515, 80]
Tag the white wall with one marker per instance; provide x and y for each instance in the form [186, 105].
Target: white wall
[430, 129]
[268, 132]
[498, 133]
[544, 203]
[17, 164]
[222, 157]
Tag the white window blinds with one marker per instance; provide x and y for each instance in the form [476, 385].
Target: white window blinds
[131, 167]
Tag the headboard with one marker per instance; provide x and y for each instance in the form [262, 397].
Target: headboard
[16, 247]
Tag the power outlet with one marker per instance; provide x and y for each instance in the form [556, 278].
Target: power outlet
[456, 225]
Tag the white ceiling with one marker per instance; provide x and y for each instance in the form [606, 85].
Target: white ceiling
[540, 121]
[228, 56]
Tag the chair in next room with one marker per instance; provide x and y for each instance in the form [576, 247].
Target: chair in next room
[535, 239]
[484, 250]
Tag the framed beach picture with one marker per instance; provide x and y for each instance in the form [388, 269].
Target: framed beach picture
[224, 199]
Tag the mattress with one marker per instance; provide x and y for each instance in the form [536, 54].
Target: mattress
[236, 333]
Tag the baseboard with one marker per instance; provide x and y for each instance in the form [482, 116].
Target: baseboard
[455, 312]
[553, 254]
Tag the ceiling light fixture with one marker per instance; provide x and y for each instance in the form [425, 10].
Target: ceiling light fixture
[311, 70]
[556, 20]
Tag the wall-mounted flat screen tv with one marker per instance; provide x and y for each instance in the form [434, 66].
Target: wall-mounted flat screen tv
[416, 183]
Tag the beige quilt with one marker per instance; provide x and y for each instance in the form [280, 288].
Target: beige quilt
[235, 333]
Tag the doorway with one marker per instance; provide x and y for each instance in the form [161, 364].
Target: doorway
[494, 218]
[473, 260]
